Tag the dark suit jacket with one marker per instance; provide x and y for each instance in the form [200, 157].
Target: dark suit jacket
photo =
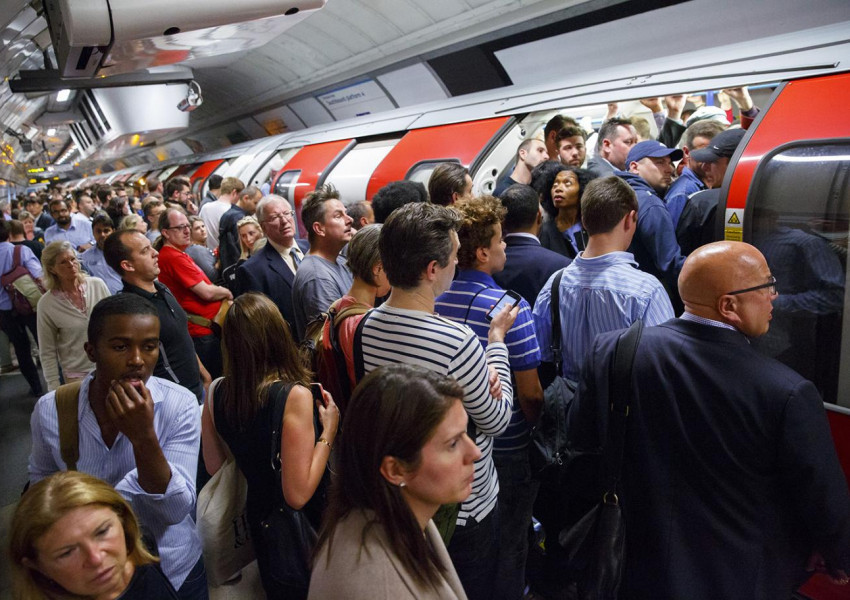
[730, 476]
[267, 273]
[528, 266]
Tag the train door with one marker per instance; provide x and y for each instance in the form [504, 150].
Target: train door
[351, 175]
[416, 155]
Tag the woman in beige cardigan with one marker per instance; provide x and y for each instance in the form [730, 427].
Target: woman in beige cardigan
[63, 314]
[404, 453]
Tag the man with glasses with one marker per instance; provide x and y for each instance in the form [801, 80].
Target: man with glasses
[194, 291]
[731, 486]
[272, 269]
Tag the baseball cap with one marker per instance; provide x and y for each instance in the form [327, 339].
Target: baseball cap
[722, 145]
[653, 149]
[707, 113]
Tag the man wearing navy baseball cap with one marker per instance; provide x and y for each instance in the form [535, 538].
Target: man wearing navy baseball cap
[717, 154]
[649, 171]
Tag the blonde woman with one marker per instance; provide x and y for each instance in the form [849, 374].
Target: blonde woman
[63, 314]
[74, 536]
[133, 221]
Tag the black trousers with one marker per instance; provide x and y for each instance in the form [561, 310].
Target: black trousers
[15, 326]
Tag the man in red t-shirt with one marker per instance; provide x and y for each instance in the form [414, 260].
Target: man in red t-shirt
[192, 288]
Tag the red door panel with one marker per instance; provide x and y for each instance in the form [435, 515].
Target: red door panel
[805, 109]
[205, 170]
[461, 141]
[311, 161]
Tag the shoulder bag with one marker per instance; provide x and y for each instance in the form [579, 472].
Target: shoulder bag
[222, 519]
[288, 538]
[549, 436]
[596, 545]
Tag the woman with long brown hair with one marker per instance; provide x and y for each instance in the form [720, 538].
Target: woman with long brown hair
[262, 367]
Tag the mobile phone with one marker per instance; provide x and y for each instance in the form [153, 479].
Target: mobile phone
[509, 298]
[316, 390]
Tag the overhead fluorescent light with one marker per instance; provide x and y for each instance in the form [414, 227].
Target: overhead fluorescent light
[51, 132]
[63, 95]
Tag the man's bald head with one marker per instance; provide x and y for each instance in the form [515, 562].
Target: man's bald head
[712, 271]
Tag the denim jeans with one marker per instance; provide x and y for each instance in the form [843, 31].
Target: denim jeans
[517, 492]
[474, 550]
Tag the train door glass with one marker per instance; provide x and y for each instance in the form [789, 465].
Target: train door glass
[421, 171]
[275, 163]
[350, 176]
[799, 217]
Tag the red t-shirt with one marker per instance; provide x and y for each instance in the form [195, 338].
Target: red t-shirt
[179, 272]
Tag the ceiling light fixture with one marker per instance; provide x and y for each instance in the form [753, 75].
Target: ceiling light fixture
[63, 95]
[51, 132]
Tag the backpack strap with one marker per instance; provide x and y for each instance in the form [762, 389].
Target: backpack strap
[555, 317]
[67, 402]
[359, 366]
[16, 257]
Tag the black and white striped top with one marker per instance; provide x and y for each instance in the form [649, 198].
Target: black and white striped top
[394, 335]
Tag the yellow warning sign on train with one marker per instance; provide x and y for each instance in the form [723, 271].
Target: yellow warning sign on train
[733, 228]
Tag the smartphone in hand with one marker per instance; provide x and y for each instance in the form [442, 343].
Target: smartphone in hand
[509, 298]
[316, 390]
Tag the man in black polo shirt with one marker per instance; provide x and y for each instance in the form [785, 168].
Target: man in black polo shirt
[131, 255]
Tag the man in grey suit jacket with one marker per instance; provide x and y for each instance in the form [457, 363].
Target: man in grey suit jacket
[272, 269]
[730, 482]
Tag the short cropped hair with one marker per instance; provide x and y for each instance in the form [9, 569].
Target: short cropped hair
[605, 202]
[248, 192]
[149, 206]
[152, 184]
[231, 184]
[357, 210]
[479, 217]
[115, 251]
[608, 131]
[174, 185]
[214, 182]
[16, 227]
[446, 179]
[413, 236]
[570, 131]
[103, 193]
[707, 128]
[313, 207]
[101, 218]
[557, 123]
[363, 252]
[396, 194]
[522, 205]
[119, 304]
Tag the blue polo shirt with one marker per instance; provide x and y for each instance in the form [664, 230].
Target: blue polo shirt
[467, 301]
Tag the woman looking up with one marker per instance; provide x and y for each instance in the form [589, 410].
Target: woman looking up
[560, 188]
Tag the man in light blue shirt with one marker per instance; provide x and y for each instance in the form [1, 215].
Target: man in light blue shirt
[93, 259]
[602, 290]
[139, 433]
[68, 229]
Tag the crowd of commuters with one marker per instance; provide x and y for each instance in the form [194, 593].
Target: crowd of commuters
[415, 473]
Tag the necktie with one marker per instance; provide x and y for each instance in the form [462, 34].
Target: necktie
[295, 259]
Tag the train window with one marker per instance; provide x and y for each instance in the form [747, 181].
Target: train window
[421, 171]
[800, 219]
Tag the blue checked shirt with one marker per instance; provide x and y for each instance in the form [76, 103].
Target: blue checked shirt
[599, 294]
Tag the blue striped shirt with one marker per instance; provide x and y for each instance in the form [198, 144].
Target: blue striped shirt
[394, 335]
[599, 294]
[467, 301]
[168, 516]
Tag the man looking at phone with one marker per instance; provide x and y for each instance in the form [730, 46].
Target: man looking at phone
[469, 301]
[602, 289]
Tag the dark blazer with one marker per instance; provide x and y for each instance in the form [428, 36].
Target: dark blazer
[528, 266]
[267, 273]
[730, 477]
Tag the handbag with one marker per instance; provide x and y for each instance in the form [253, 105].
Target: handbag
[222, 520]
[549, 436]
[288, 537]
[596, 545]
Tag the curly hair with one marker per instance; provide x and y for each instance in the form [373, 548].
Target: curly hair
[479, 217]
[543, 178]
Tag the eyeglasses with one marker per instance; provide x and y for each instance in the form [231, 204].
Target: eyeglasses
[287, 214]
[180, 227]
[770, 284]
